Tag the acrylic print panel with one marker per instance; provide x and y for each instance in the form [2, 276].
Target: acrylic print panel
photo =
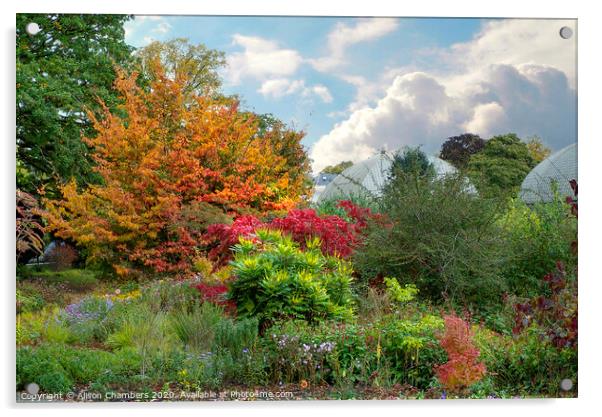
[295, 208]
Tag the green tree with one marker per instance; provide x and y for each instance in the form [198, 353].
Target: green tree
[457, 150]
[61, 72]
[437, 235]
[410, 161]
[181, 59]
[500, 167]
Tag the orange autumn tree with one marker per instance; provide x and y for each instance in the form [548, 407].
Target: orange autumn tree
[165, 161]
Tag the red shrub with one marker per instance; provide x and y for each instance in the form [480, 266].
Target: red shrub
[224, 236]
[462, 368]
[216, 294]
[339, 237]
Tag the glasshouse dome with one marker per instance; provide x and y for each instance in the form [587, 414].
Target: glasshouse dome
[559, 168]
[369, 177]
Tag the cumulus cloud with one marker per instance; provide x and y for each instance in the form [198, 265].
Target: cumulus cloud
[343, 36]
[260, 59]
[528, 92]
[280, 87]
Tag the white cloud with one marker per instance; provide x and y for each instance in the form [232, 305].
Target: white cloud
[163, 27]
[520, 41]
[260, 59]
[343, 36]
[280, 87]
[322, 92]
[149, 24]
[527, 91]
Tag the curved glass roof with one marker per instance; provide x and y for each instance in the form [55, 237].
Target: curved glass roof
[369, 176]
[559, 168]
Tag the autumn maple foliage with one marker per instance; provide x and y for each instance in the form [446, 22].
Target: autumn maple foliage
[462, 368]
[158, 155]
[338, 236]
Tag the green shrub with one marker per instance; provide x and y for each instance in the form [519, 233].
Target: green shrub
[527, 364]
[438, 236]
[383, 353]
[57, 368]
[77, 279]
[539, 236]
[274, 279]
[411, 348]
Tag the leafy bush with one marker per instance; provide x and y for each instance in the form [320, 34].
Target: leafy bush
[411, 349]
[225, 236]
[462, 368]
[538, 236]
[439, 237]
[216, 294]
[526, 364]
[274, 279]
[339, 235]
[57, 368]
[383, 353]
[555, 314]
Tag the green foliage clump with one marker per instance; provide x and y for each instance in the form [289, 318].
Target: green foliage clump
[384, 353]
[61, 72]
[538, 236]
[76, 279]
[399, 294]
[57, 367]
[27, 302]
[438, 236]
[275, 279]
[411, 348]
[412, 161]
[501, 166]
[526, 364]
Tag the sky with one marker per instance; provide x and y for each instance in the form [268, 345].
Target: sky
[359, 85]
